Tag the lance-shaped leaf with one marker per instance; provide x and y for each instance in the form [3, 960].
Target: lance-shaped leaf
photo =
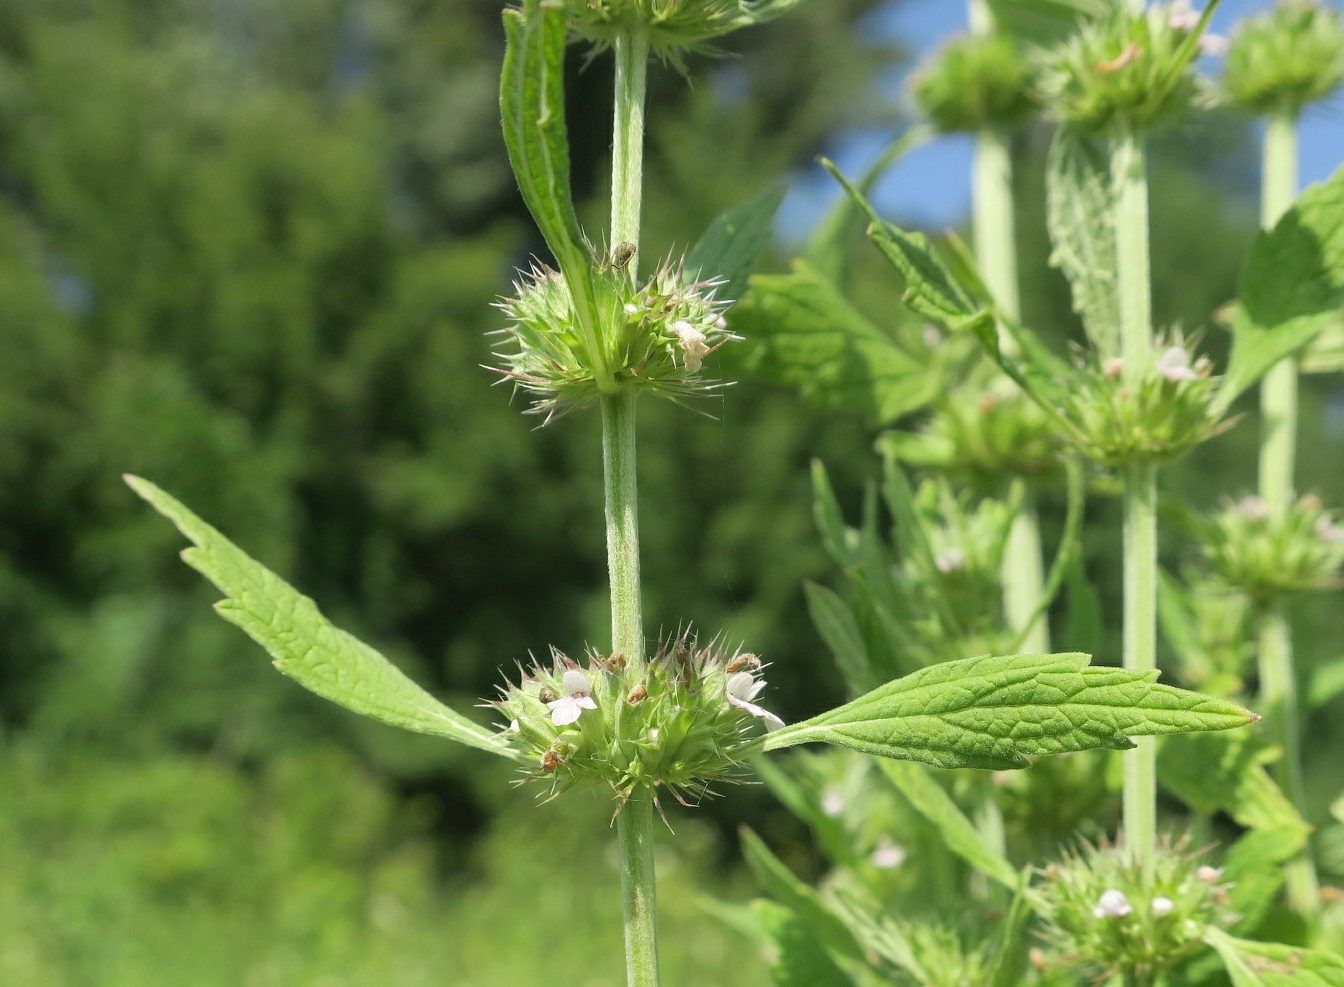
[806, 334]
[799, 957]
[728, 249]
[1080, 201]
[532, 104]
[1291, 288]
[996, 712]
[305, 645]
[931, 290]
[959, 834]
[1271, 964]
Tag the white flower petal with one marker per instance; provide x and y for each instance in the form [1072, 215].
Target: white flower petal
[887, 855]
[1163, 906]
[575, 682]
[1112, 904]
[564, 711]
[772, 722]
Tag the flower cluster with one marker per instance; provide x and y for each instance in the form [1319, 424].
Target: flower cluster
[1101, 913]
[685, 718]
[654, 337]
[983, 436]
[1266, 557]
[673, 27]
[1286, 58]
[1124, 70]
[1157, 415]
[975, 84]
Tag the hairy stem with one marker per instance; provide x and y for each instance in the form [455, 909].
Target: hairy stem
[1278, 455]
[634, 825]
[1128, 173]
[627, 144]
[634, 833]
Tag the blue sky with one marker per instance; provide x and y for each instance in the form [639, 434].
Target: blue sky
[932, 186]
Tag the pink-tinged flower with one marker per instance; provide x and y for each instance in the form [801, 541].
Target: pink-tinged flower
[693, 345]
[953, 560]
[833, 802]
[741, 689]
[1327, 530]
[1253, 508]
[887, 855]
[1213, 44]
[1182, 16]
[568, 707]
[1112, 367]
[1174, 364]
[1209, 874]
[1163, 906]
[1112, 904]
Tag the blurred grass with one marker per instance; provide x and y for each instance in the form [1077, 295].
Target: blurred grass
[183, 870]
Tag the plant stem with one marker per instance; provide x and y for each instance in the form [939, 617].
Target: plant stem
[1278, 455]
[627, 144]
[1128, 173]
[634, 833]
[634, 823]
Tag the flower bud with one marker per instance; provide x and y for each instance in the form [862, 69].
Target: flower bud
[975, 84]
[1285, 58]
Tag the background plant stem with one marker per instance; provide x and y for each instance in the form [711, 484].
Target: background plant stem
[1128, 173]
[1278, 463]
[634, 823]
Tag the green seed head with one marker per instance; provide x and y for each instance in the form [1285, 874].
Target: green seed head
[975, 84]
[1124, 70]
[1286, 58]
[1102, 914]
[680, 721]
[653, 337]
[1267, 557]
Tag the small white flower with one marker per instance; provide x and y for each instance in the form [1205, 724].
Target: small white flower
[1253, 508]
[1174, 364]
[1327, 530]
[567, 708]
[694, 347]
[953, 560]
[1112, 367]
[1182, 16]
[932, 337]
[1113, 904]
[887, 855]
[721, 324]
[1213, 44]
[741, 689]
[631, 308]
[833, 801]
[1209, 874]
[1163, 906]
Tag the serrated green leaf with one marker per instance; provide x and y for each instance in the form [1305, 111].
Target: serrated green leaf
[835, 623]
[1254, 869]
[1271, 964]
[728, 249]
[830, 521]
[1292, 286]
[995, 712]
[1327, 682]
[1216, 771]
[800, 959]
[930, 288]
[1043, 22]
[305, 645]
[803, 333]
[532, 105]
[958, 833]
[1080, 203]
[828, 248]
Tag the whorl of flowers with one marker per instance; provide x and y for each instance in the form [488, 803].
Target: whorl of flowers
[1103, 915]
[975, 84]
[673, 27]
[654, 337]
[1267, 557]
[1124, 70]
[681, 720]
[1285, 58]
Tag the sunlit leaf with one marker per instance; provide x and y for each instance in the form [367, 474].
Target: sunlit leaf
[728, 249]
